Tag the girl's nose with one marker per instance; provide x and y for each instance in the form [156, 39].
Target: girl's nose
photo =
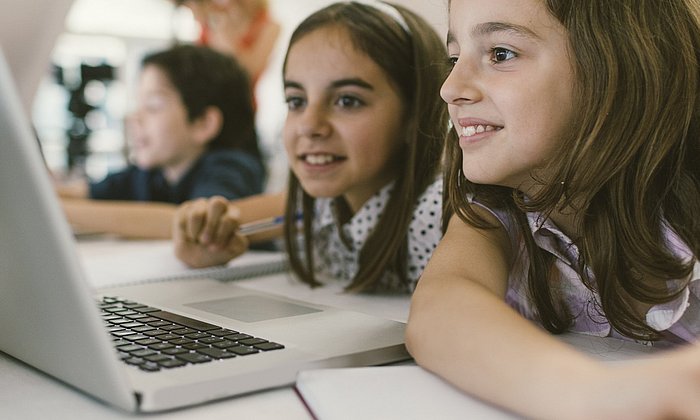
[314, 123]
[461, 85]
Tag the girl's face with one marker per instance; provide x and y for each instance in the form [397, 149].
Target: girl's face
[342, 131]
[510, 91]
[159, 132]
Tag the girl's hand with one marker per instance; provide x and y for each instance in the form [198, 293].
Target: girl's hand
[205, 232]
[665, 386]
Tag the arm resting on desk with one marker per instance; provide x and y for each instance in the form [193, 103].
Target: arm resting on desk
[138, 220]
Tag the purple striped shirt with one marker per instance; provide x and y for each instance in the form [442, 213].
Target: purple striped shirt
[679, 319]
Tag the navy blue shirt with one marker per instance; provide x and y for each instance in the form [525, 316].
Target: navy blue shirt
[229, 173]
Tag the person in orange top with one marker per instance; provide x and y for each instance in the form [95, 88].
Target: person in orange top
[242, 28]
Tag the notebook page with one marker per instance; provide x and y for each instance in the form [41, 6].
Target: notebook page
[409, 392]
[406, 392]
[109, 263]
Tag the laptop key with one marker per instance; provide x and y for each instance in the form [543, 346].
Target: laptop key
[239, 336]
[243, 350]
[252, 341]
[216, 353]
[224, 344]
[181, 341]
[129, 348]
[150, 367]
[157, 358]
[176, 350]
[134, 361]
[143, 353]
[184, 331]
[268, 346]
[122, 333]
[194, 346]
[183, 320]
[148, 341]
[172, 363]
[145, 309]
[194, 357]
[169, 326]
[160, 346]
[210, 340]
[222, 332]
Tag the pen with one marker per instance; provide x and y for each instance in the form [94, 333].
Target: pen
[262, 225]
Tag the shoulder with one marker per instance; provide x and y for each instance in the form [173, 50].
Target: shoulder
[232, 164]
[131, 173]
[224, 156]
[505, 236]
[121, 184]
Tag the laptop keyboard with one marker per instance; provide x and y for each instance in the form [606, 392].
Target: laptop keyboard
[152, 339]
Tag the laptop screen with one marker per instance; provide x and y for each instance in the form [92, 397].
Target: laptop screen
[45, 304]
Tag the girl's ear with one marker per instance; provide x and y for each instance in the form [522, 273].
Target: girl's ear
[208, 125]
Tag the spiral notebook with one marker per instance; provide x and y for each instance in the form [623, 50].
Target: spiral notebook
[109, 262]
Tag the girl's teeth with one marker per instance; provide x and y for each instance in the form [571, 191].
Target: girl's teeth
[476, 129]
[319, 159]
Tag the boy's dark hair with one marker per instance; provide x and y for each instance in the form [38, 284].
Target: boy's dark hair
[203, 78]
[414, 60]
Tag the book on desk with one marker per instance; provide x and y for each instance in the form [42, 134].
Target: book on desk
[409, 392]
[154, 261]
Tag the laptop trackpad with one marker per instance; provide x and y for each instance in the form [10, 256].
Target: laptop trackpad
[252, 308]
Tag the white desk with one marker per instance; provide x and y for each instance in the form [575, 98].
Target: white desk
[26, 393]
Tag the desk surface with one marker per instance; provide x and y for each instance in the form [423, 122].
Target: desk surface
[26, 393]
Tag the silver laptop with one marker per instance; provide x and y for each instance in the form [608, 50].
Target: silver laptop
[190, 341]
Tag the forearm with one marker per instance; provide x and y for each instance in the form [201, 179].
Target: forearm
[472, 339]
[461, 328]
[124, 218]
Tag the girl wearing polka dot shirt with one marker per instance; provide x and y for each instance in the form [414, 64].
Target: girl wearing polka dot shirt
[364, 137]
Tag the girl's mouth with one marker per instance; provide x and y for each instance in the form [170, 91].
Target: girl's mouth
[472, 130]
[319, 159]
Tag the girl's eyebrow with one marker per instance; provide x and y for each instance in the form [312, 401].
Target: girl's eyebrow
[488, 28]
[491, 27]
[352, 82]
[334, 85]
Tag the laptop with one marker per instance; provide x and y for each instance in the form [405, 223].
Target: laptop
[153, 346]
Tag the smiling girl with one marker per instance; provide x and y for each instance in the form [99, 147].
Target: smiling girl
[364, 136]
[574, 197]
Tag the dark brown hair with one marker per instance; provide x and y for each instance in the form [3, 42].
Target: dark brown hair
[414, 59]
[204, 77]
[628, 164]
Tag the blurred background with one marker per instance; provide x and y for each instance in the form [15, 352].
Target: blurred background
[80, 105]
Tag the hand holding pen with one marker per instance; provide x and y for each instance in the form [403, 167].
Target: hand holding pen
[208, 232]
[205, 232]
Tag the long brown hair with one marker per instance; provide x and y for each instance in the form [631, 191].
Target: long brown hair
[628, 165]
[414, 59]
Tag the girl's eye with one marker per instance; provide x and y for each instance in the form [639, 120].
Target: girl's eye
[294, 102]
[500, 54]
[346, 101]
[452, 61]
